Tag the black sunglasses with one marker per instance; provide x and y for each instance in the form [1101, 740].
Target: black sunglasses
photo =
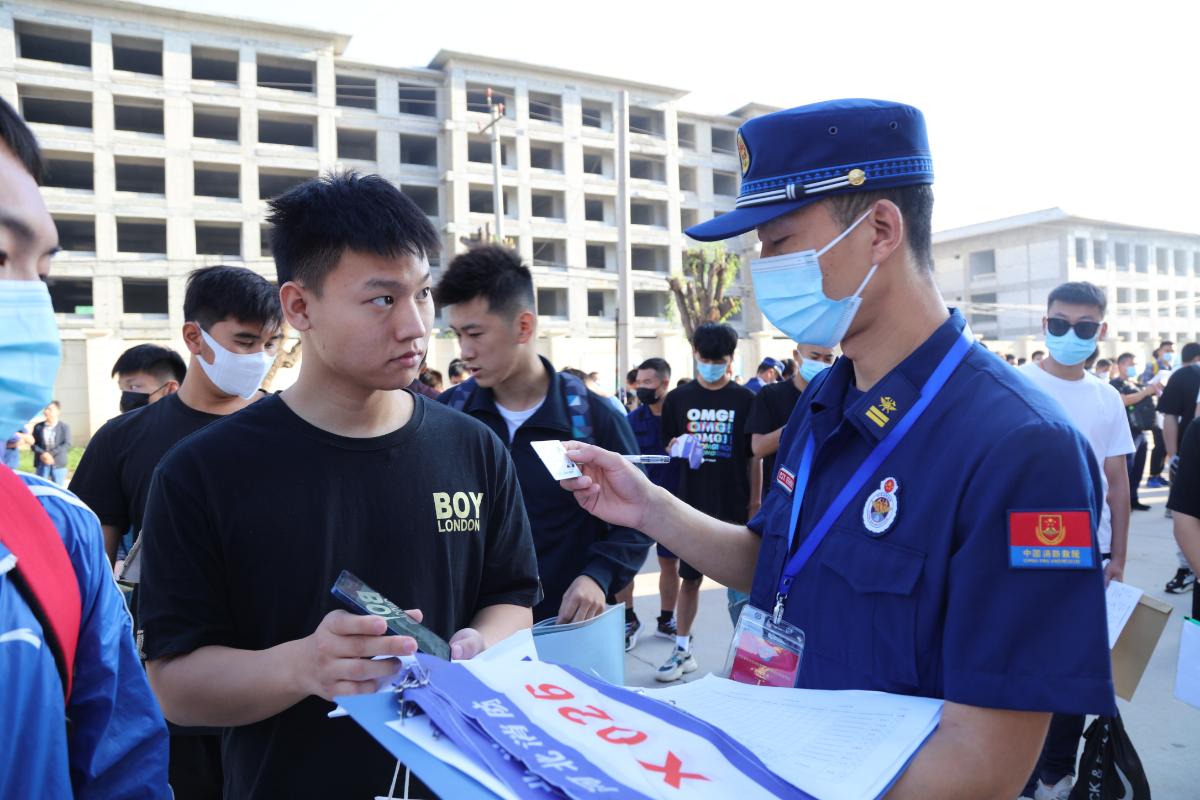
[1085, 330]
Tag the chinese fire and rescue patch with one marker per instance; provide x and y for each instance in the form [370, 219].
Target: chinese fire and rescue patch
[1050, 539]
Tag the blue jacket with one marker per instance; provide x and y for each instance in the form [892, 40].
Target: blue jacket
[569, 541]
[115, 745]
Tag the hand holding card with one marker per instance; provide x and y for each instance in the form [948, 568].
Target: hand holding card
[554, 456]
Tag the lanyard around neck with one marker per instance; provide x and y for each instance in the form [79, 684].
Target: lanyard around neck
[870, 464]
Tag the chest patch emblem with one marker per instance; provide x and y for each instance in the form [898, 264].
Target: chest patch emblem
[879, 512]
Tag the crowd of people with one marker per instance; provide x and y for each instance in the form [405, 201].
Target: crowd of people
[212, 672]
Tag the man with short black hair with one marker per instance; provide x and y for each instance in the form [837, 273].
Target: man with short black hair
[886, 553]
[232, 330]
[1184, 503]
[712, 409]
[652, 382]
[146, 373]
[1158, 370]
[1073, 325]
[52, 445]
[487, 298]
[77, 714]
[457, 372]
[232, 323]
[1178, 405]
[1139, 409]
[251, 520]
[1036, 356]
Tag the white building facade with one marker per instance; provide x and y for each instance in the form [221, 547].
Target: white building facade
[1001, 272]
[165, 131]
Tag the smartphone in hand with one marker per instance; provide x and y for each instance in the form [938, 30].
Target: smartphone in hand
[362, 599]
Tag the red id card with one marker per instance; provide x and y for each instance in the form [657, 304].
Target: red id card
[763, 652]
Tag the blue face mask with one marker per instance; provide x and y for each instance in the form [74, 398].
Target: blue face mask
[810, 369]
[1131, 371]
[1069, 349]
[30, 352]
[711, 373]
[790, 293]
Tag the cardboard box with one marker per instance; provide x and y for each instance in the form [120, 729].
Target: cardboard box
[1136, 644]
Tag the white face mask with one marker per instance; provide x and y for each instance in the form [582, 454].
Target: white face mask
[239, 374]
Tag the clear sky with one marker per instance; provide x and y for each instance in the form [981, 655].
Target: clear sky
[1094, 107]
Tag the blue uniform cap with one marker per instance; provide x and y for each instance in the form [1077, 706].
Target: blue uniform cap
[795, 157]
[772, 364]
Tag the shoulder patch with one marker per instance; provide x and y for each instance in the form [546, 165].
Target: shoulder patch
[786, 479]
[1050, 539]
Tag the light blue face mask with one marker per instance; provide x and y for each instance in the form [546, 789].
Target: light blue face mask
[810, 369]
[1069, 349]
[30, 352]
[1131, 371]
[711, 373]
[791, 294]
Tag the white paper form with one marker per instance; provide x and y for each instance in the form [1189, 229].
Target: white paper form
[834, 745]
[1121, 599]
[1187, 673]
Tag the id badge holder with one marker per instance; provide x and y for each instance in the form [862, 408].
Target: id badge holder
[764, 652]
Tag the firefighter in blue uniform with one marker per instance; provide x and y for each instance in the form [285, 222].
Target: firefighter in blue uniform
[932, 527]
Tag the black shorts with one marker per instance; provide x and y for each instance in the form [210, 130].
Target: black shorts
[688, 572]
[663, 552]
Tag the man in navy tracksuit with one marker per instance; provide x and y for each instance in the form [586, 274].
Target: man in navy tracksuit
[487, 296]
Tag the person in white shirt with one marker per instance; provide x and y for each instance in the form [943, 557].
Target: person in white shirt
[1073, 324]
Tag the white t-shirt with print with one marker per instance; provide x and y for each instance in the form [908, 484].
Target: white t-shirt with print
[1096, 410]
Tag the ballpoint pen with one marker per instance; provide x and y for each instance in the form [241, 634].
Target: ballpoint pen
[647, 459]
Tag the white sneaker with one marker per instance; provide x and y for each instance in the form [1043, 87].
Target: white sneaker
[1059, 791]
[680, 663]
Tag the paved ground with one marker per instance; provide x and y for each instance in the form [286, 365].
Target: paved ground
[1165, 731]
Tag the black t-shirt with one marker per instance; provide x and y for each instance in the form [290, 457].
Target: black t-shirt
[1185, 488]
[250, 521]
[721, 487]
[113, 477]
[1179, 398]
[771, 410]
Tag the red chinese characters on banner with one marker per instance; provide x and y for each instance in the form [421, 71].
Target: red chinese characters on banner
[671, 769]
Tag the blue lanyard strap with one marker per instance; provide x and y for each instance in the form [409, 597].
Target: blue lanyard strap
[870, 464]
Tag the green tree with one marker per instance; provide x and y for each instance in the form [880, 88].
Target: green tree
[699, 293]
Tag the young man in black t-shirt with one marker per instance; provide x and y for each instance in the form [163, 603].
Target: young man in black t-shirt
[773, 406]
[712, 409]
[146, 373]
[238, 311]
[250, 521]
[1178, 407]
[1139, 407]
[1179, 398]
[1184, 502]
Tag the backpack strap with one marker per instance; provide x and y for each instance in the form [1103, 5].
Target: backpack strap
[44, 574]
[461, 395]
[578, 408]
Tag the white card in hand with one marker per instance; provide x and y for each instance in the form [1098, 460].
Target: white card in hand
[554, 456]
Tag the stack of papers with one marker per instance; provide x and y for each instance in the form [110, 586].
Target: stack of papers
[1187, 674]
[1121, 599]
[846, 745]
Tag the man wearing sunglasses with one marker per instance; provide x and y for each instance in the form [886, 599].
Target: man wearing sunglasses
[1074, 324]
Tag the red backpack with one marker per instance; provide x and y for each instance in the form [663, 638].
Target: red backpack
[43, 574]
